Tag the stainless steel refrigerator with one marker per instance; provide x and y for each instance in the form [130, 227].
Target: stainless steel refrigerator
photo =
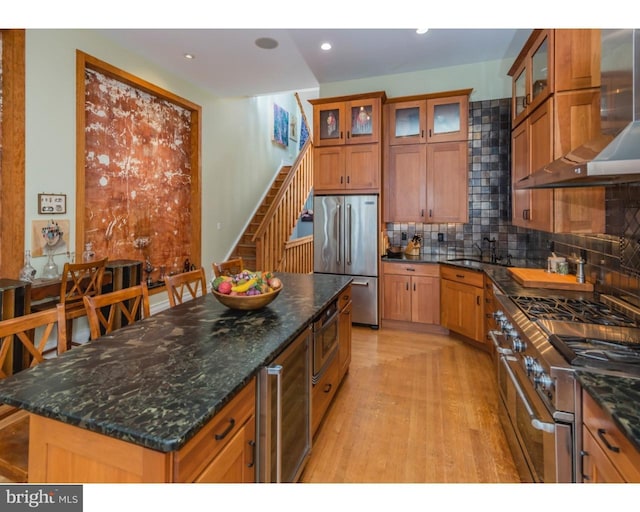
[345, 241]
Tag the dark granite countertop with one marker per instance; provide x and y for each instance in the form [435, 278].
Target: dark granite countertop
[619, 397]
[157, 382]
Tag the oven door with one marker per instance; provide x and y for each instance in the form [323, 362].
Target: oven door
[325, 339]
[528, 425]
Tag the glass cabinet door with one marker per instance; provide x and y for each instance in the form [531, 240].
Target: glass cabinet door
[540, 69]
[520, 93]
[407, 122]
[329, 124]
[363, 120]
[447, 119]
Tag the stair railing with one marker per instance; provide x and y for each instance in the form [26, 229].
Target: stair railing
[272, 238]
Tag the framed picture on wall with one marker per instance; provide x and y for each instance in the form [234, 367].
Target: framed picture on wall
[280, 125]
[51, 204]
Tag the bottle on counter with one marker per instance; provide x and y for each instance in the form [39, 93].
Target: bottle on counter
[27, 272]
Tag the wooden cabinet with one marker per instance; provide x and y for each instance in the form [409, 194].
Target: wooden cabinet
[405, 183]
[607, 455]
[323, 392]
[532, 75]
[222, 451]
[550, 119]
[347, 169]
[532, 147]
[345, 306]
[462, 302]
[346, 143]
[447, 182]
[411, 292]
[426, 161]
[436, 118]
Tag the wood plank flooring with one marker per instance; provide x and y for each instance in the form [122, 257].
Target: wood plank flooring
[414, 408]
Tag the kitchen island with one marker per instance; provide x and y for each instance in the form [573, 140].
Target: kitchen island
[150, 388]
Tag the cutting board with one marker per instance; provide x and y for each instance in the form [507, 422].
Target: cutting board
[540, 278]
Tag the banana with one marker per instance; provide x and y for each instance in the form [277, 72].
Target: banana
[244, 286]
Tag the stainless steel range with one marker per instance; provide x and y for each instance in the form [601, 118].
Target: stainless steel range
[539, 343]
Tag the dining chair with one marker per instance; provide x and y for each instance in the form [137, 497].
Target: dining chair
[229, 267]
[79, 280]
[32, 332]
[193, 283]
[107, 311]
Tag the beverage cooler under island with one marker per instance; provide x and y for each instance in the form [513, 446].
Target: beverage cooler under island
[195, 393]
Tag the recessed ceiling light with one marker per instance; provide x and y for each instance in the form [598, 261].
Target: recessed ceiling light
[189, 56]
[266, 43]
[325, 46]
[422, 30]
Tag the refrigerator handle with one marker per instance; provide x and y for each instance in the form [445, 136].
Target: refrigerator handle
[277, 371]
[348, 235]
[339, 231]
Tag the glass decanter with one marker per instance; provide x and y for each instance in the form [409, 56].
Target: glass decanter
[27, 272]
[50, 270]
[88, 254]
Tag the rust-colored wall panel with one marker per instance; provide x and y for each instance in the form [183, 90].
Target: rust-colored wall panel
[138, 174]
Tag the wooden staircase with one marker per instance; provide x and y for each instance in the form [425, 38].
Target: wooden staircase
[266, 243]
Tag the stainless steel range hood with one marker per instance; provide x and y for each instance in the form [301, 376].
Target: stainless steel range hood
[613, 157]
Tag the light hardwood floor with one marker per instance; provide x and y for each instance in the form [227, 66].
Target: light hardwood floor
[413, 408]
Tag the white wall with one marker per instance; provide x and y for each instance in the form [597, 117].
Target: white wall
[239, 159]
[489, 81]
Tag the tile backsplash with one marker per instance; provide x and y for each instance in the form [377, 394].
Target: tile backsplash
[612, 260]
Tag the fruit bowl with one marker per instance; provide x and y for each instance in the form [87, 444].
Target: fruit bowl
[247, 302]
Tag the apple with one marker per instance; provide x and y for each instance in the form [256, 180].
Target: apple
[275, 283]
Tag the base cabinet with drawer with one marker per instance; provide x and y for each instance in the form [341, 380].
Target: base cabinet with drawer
[607, 455]
[410, 294]
[462, 302]
[222, 451]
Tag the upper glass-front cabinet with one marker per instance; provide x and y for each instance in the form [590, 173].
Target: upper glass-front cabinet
[407, 122]
[442, 119]
[448, 119]
[347, 122]
[532, 75]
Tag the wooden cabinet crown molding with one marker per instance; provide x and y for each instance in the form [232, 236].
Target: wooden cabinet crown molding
[352, 97]
[430, 96]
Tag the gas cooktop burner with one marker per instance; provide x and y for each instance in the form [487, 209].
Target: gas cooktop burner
[613, 355]
[572, 310]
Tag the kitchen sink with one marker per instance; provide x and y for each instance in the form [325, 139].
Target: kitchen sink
[476, 263]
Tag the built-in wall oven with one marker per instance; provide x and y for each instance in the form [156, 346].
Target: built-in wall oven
[325, 339]
[284, 413]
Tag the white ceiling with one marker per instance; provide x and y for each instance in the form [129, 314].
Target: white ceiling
[228, 63]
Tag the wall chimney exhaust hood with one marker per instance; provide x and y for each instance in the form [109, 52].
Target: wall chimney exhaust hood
[614, 156]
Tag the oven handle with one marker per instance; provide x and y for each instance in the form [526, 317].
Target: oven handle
[277, 371]
[536, 422]
[499, 348]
